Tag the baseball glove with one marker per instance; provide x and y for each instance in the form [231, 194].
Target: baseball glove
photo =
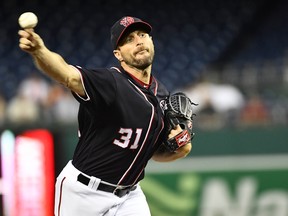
[178, 110]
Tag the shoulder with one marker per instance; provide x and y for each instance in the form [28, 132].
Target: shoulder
[96, 73]
[159, 88]
[92, 70]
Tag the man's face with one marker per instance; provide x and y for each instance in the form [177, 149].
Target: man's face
[136, 49]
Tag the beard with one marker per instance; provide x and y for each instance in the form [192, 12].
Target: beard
[142, 63]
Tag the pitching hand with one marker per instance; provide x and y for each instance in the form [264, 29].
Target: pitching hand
[30, 41]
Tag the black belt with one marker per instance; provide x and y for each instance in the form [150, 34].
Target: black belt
[117, 190]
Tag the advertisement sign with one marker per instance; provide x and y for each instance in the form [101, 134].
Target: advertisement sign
[185, 189]
[31, 181]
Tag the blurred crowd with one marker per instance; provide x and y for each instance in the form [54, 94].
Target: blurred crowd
[245, 40]
[39, 101]
[223, 105]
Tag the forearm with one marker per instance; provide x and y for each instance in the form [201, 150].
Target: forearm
[52, 64]
[55, 67]
[166, 156]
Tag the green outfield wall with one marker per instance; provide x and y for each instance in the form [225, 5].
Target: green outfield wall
[230, 172]
[219, 186]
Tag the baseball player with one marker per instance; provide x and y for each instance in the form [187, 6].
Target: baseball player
[120, 123]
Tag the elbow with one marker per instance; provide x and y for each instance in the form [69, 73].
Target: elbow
[74, 83]
[70, 82]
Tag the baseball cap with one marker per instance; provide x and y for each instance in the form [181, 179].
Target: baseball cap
[124, 24]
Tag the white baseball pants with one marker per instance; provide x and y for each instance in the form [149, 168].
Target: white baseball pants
[72, 198]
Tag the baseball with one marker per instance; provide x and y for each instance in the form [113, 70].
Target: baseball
[28, 20]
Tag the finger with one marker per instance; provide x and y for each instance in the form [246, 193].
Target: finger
[27, 33]
[35, 38]
[24, 47]
[175, 131]
[25, 41]
[23, 33]
[30, 30]
[178, 128]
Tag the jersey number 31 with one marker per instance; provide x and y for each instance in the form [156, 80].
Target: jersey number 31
[125, 139]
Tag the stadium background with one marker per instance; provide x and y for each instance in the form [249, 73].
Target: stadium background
[237, 167]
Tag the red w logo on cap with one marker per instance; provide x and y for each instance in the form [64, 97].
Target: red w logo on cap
[126, 21]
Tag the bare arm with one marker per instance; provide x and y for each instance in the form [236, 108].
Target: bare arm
[166, 156]
[50, 62]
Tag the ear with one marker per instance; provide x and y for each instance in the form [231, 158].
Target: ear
[118, 55]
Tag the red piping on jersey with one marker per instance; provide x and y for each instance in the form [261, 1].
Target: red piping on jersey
[153, 145]
[60, 196]
[144, 142]
[138, 175]
[156, 86]
[155, 93]
[160, 130]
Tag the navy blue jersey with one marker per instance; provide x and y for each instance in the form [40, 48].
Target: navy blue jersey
[120, 125]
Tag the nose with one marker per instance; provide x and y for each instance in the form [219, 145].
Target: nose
[139, 40]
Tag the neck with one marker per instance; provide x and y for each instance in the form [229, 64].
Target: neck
[143, 75]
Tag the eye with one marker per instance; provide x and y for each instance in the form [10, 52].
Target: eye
[142, 35]
[129, 39]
